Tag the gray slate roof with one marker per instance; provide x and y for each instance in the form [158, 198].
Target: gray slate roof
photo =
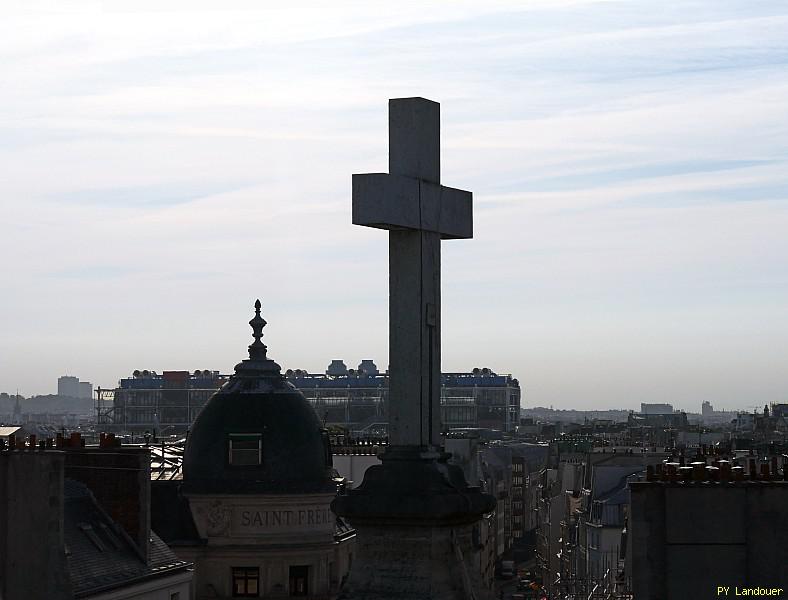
[99, 554]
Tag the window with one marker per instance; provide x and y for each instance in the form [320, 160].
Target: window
[593, 538]
[333, 579]
[299, 580]
[246, 449]
[246, 582]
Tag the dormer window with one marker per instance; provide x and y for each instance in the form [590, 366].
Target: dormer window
[245, 449]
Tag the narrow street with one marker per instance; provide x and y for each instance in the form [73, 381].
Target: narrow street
[510, 589]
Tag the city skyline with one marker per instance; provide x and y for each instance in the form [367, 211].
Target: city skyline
[628, 168]
[318, 375]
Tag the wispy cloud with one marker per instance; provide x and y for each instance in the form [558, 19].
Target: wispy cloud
[162, 168]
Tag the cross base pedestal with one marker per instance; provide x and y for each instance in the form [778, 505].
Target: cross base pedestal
[419, 530]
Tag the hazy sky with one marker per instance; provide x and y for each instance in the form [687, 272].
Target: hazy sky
[163, 164]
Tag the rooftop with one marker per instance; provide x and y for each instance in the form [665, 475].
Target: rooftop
[147, 380]
[99, 554]
[720, 470]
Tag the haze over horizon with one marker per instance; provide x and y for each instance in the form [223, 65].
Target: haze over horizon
[162, 168]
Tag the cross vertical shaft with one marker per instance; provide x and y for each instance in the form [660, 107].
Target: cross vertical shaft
[414, 284]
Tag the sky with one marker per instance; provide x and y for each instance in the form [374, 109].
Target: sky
[164, 164]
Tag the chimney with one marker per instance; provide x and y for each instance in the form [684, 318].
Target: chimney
[32, 557]
[120, 481]
[725, 470]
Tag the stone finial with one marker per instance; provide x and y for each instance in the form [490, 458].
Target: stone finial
[257, 348]
[258, 364]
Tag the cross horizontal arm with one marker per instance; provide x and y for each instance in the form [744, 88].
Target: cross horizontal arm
[396, 202]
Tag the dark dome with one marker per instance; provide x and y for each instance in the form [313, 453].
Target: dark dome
[257, 434]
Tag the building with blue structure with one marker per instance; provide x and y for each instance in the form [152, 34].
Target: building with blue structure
[352, 399]
[357, 399]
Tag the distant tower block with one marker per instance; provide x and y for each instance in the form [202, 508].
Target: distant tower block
[85, 389]
[414, 514]
[68, 385]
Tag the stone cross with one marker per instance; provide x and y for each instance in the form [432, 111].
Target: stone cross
[418, 212]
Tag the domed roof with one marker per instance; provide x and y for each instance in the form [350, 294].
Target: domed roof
[257, 434]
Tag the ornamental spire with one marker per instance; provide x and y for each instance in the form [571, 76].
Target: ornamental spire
[257, 348]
